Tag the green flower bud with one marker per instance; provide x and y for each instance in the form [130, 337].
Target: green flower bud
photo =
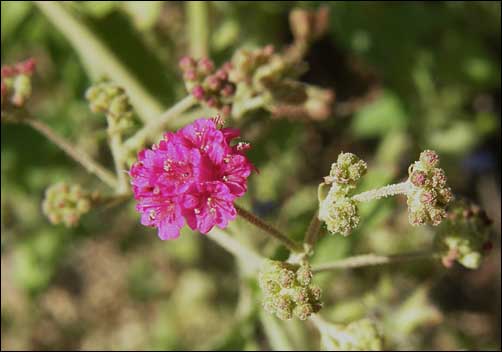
[339, 212]
[303, 311]
[66, 204]
[348, 169]
[287, 290]
[304, 275]
[112, 100]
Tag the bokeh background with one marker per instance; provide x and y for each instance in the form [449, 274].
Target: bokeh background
[407, 77]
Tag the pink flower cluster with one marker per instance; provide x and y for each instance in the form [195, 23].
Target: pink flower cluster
[193, 175]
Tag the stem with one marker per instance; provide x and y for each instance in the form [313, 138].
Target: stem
[77, 154]
[157, 125]
[198, 28]
[98, 58]
[246, 255]
[386, 191]
[118, 158]
[269, 229]
[312, 231]
[371, 260]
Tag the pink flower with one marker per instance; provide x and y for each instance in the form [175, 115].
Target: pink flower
[193, 175]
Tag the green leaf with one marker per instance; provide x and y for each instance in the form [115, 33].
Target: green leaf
[380, 117]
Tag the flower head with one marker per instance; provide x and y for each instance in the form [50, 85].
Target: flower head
[192, 175]
[288, 290]
[428, 195]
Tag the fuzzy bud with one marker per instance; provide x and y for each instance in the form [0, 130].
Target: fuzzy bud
[65, 203]
[429, 194]
[113, 101]
[287, 290]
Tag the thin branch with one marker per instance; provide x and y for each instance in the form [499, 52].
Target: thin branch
[116, 148]
[248, 257]
[269, 229]
[386, 191]
[359, 261]
[75, 153]
[313, 231]
[156, 126]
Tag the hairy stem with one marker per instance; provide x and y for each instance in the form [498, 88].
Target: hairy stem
[312, 231]
[269, 229]
[363, 260]
[386, 191]
[248, 257]
[156, 126]
[75, 153]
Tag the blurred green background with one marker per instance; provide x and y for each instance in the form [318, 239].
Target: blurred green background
[407, 77]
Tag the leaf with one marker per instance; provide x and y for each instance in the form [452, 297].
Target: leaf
[380, 117]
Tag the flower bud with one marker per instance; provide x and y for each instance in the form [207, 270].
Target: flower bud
[428, 195]
[113, 101]
[283, 293]
[65, 203]
[348, 169]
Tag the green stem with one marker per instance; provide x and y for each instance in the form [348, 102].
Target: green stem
[359, 261]
[386, 191]
[269, 229]
[198, 28]
[154, 127]
[75, 153]
[99, 58]
[248, 257]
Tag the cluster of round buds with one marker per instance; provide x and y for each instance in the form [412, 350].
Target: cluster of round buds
[207, 84]
[288, 290]
[347, 170]
[336, 208]
[112, 100]
[16, 82]
[65, 203]
[464, 235]
[245, 63]
[428, 195]
[361, 335]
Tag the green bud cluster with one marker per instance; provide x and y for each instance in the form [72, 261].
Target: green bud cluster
[288, 290]
[428, 195]
[111, 100]
[65, 203]
[361, 335]
[464, 235]
[336, 208]
[271, 76]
